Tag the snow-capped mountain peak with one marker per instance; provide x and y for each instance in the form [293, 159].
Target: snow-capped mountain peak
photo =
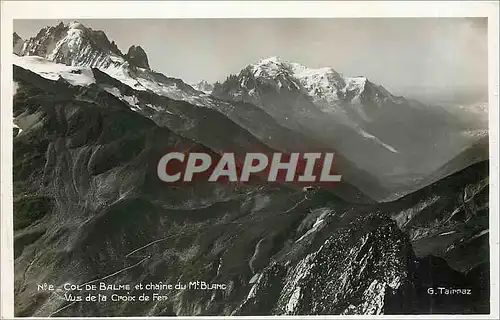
[271, 67]
[323, 83]
[275, 66]
[203, 86]
[74, 44]
[272, 59]
[331, 91]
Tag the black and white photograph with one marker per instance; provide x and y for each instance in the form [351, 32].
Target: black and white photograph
[287, 166]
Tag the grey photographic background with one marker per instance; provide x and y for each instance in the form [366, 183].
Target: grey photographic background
[432, 59]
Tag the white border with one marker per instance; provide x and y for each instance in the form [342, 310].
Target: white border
[245, 9]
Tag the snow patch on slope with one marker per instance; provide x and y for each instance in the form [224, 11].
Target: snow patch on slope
[318, 224]
[121, 73]
[132, 101]
[77, 76]
[15, 126]
[372, 137]
[139, 79]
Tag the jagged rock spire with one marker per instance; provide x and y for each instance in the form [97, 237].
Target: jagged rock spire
[137, 56]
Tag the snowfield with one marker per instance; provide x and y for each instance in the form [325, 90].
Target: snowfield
[77, 76]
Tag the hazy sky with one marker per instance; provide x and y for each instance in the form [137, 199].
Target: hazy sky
[403, 54]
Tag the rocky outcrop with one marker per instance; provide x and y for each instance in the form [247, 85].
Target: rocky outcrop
[73, 44]
[367, 267]
[352, 272]
[137, 57]
[204, 86]
[18, 43]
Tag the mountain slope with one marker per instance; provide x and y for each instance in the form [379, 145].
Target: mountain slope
[18, 43]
